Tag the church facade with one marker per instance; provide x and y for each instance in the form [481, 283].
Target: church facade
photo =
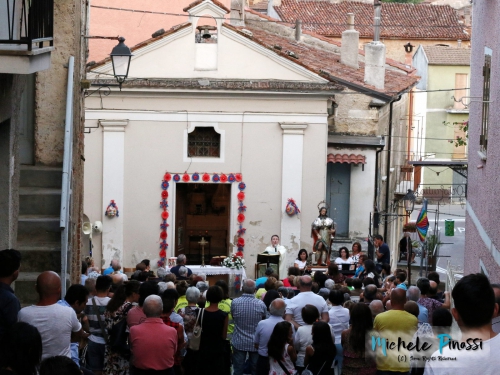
[216, 129]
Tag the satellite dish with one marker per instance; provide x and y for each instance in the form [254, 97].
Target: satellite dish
[87, 228]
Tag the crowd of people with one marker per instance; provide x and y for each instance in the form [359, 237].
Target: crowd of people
[173, 322]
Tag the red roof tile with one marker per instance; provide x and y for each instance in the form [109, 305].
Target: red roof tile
[322, 62]
[170, 31]
[327, 64]
[262, 5]
[442, 55]
[344, 158]
[198, 2]
[399, 21]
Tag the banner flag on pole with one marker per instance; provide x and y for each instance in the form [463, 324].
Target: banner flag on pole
[422, 222]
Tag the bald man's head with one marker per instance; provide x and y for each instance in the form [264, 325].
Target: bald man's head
[277, 307]
[398, 298]
[48, 284]
[305, 283]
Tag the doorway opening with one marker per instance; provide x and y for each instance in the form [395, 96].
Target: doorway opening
[202, 210]
[338, 195]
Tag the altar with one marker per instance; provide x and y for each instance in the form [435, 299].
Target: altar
[233, 277]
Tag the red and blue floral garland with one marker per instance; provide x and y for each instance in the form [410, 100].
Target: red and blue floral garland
[205, 177]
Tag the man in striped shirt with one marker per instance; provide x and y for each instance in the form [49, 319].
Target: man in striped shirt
[96, 306]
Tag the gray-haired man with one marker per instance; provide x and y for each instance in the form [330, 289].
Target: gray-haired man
[247, 312]
[181, 262]
[263, 334]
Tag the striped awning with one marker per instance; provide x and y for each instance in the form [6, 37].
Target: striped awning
[346, 158]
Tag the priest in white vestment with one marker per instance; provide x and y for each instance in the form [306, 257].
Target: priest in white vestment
[276, 248]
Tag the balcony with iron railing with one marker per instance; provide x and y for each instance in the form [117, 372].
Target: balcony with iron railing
[26, 35]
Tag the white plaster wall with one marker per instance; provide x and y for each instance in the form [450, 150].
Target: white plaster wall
[238, 57]
[93, 178]
[252, 147]
[361, 191]
[419, 124]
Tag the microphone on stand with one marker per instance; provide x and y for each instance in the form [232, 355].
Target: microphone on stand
[275, 249]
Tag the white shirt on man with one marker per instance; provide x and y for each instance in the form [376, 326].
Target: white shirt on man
[466, 362]
[294, 307]
[264, 331]
[281, 250]
[339, 320]
[55, 324]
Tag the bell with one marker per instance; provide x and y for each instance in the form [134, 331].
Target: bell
[206, 34]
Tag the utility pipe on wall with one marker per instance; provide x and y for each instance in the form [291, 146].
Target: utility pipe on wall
[66, 177]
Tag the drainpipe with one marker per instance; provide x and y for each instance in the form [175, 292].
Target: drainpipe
[66, 177]
[376, 216]
[388, 165]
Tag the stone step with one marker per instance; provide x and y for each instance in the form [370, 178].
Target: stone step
[39, 201]
[38, 257]
[24, 287]
[38, 229]
[41, 176]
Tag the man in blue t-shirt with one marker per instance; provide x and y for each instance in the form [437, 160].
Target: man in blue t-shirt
[382, 252]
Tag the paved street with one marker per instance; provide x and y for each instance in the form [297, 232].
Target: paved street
[453, 247]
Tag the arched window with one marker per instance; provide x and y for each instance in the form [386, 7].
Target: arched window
[203, 142]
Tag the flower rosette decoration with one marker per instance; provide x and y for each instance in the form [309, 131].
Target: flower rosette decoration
[206, 178]
[292, 208]
[164, 216]
[234, 262]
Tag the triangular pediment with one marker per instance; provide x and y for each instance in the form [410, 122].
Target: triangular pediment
[231, 56]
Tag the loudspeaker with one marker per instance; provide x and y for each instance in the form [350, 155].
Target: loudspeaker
[87, 228]
[97, 227]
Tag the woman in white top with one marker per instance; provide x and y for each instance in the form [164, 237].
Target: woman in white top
[303, 336]
[356, 251]
[339, 321]
[344, 256]
[301, 260]
[280, 350]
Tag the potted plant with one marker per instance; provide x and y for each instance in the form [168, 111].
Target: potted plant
[406, 168]
[410, 227]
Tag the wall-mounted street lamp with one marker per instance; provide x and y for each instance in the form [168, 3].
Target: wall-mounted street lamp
[409, 202]
[120, 58]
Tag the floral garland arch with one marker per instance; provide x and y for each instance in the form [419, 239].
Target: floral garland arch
[205, 177]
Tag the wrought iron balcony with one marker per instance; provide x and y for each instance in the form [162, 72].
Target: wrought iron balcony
[26, 23]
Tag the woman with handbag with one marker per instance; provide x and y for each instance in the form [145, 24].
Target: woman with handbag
[211, 328]
[282, 354]
[320, 356]
[117, 352]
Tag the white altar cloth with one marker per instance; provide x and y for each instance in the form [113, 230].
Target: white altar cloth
[216, 270]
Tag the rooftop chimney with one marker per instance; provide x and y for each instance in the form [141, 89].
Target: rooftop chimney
[298, 30]
[375, 55]
[350, 44]
[459, 43]
[237, 13]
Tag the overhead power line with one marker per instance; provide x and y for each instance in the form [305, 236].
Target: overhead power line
[267, 21]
